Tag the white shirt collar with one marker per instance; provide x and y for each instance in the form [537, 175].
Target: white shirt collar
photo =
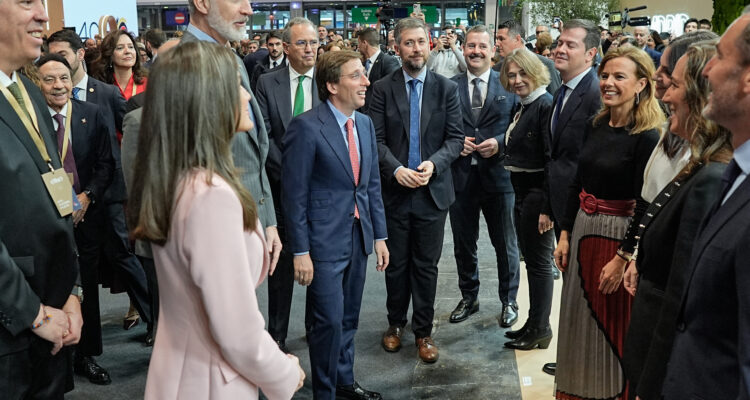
[485, 77]
[6, 80]
[294, 75]
[83, 84]
[374, 57]
[571, 84]
[63, 112]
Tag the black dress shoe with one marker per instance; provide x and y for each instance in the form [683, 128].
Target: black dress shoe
[509, 315]
[463, 310]
[531, 339]
[86, 366]
[282, 345]
[518, 332]
[550, 368]
[356, 392]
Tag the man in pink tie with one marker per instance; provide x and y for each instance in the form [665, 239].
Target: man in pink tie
[334, 217]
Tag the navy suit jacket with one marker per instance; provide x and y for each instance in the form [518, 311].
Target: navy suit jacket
[494, 119]
[91, 147]
[711, 354]
[441, 134]
[655, 56]
[318, 190]
[567, 139]
[274, 99]
[383, 66]
[112, 106]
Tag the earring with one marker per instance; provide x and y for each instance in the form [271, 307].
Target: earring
[637, 97]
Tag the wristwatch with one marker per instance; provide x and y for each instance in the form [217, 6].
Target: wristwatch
[77, 292]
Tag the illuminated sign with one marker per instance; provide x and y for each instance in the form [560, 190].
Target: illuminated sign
[92, 17]
[672, 23]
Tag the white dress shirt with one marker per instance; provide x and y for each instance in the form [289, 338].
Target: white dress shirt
[306, 86]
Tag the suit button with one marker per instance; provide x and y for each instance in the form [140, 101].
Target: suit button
[476, 130]
[262, 200]
[681, 327]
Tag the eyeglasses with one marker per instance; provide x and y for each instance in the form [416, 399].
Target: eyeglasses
[303, 44]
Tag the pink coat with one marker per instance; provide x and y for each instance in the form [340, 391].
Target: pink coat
[211, 342]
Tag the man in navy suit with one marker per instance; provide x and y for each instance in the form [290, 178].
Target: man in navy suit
[276, 59]
[334, 212]
[576, 102]
[710, 357]
[283, 94]
[642, 33]
[417, 118]
[377, 63]
[481, 182]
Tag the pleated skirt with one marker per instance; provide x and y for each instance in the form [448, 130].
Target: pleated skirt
[592, 325]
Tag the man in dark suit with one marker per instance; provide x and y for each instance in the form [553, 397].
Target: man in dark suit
[334, 213]
[642, 33]
[278, 106]
[39, 311]
[576, 102]
[249, 149]
[710, 356]
[481, 182]
[509, 37]
[417, 118]
[252, 59]
[87, 156]
[116, 246]
[377, 63]
[276, 59]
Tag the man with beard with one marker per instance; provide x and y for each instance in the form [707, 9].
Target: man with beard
[417, 119]
[482, 183]
[282, 95]
[220, 21]
[710, 354]
[274, 60]
[510, 37]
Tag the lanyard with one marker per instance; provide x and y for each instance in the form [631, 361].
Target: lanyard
[134, 88]
[30, 124]
[66, 136]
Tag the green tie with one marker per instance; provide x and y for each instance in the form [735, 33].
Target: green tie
[16, 92]
[299, 98]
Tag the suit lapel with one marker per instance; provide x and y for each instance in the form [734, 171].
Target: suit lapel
[332, 134]
[429, 95]
[463, 92]
[364, 133]
[314, 93]
[283, 97]
[493, 94]
[93, 93]
[9, 116]
[399, 94]
[723, 214]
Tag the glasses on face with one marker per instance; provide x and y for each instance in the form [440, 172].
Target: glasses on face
[301, 44]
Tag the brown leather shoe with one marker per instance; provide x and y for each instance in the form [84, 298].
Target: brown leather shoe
[392, 338]
[428, 352]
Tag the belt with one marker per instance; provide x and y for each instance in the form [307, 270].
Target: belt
[592, 205]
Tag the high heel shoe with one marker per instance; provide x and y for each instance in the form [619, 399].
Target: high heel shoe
[531, 339]
[513, 335]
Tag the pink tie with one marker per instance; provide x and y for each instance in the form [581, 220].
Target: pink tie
[353, 157]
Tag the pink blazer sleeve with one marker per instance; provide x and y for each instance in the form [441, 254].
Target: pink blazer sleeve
[216, 248]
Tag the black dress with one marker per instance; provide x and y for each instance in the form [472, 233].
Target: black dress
[593, 325]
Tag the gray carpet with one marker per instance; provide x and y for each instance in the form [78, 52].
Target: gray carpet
[473, 363]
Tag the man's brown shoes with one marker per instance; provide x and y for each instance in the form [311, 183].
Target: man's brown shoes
[392, 338]
[428, 352]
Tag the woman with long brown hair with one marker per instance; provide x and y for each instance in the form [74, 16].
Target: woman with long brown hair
[658, 280]
[208, 244]
[119, 64]
[599, 228]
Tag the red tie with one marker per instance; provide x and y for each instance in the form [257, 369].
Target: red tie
[353, 157]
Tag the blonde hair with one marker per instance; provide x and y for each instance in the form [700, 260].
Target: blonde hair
[529, 63]
[646, 113]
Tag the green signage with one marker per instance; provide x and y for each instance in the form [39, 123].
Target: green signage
[430, 14]
[365, 15]
[259, 18]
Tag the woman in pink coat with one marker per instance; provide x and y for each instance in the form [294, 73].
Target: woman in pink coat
[207, 241]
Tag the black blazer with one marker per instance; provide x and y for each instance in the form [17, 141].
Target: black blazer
[38, 259]
[384, 65]
[663, 258]
[252, 59]
[91, 147]
[440, 134]
[528, 145]
[112, 105]
[710, 355]
[261, 67]
[494, 119]
[584, 102]
[274, 99]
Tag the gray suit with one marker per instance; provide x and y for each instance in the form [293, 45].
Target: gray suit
[249, 150]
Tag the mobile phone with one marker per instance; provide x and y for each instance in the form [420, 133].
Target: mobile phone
[417, 9]
[556, 22]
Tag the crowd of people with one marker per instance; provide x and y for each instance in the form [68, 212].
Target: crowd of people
[623, 166]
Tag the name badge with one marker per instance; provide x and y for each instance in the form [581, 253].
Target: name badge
[60, 190]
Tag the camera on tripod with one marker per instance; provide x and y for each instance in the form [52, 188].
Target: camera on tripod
[619, 20]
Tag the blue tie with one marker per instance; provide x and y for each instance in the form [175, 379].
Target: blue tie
[558, 107]
[75, 92]
[415, 157]
[367, 66]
